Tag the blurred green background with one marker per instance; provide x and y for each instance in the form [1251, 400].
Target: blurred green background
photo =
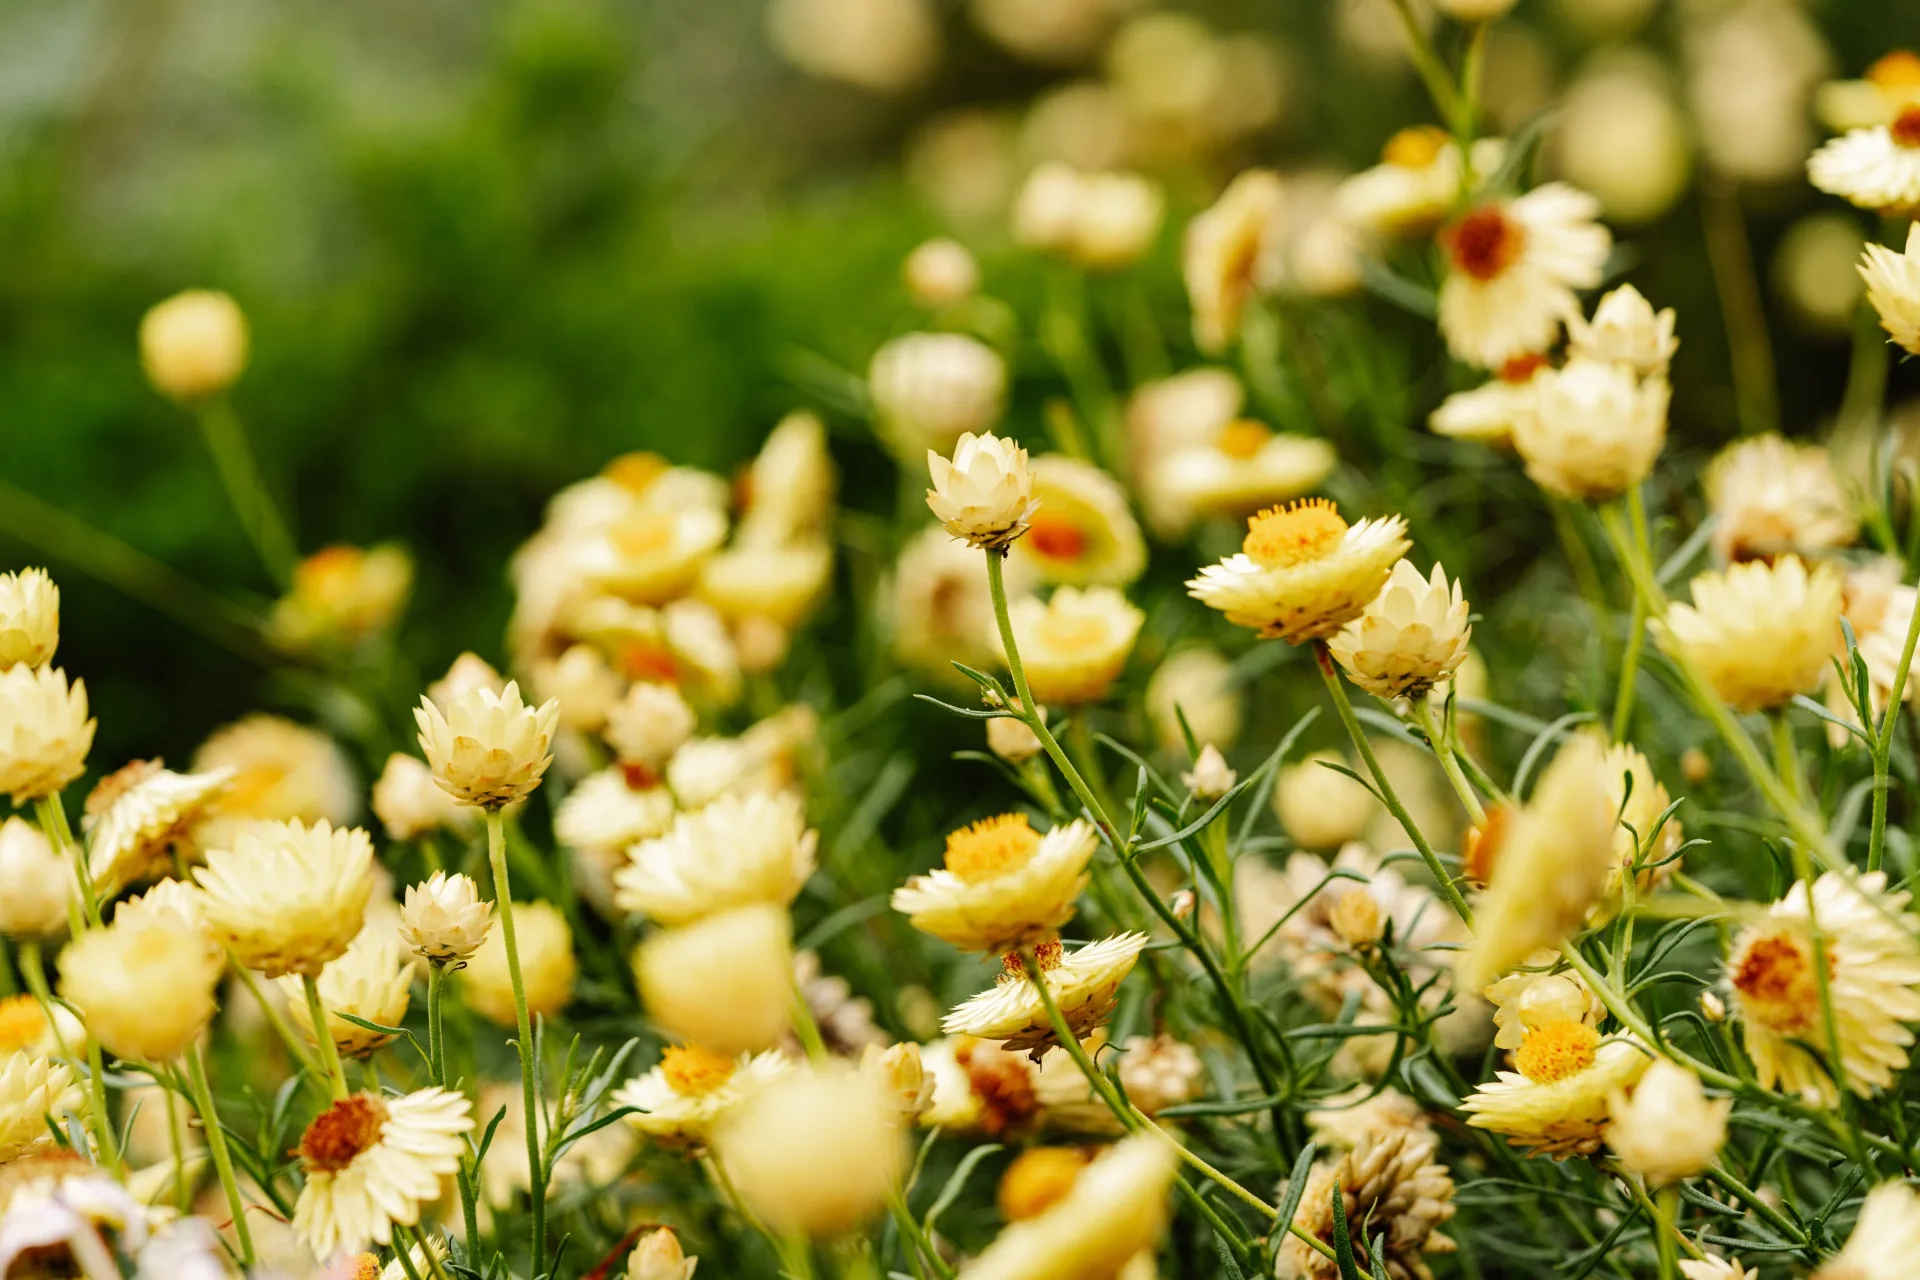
[485, 246]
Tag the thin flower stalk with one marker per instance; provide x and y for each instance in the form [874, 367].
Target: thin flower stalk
[529, 1085]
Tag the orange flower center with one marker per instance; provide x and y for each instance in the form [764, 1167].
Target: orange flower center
[638, 777]
[1483, 844]
[649, 661]
[329, 573]
[1520, 369]
[251, 786]
[644, 533]
[1897, 70]
[694, 1071]
[343, 1133]
[1038, 1179]
[1415, 148]
[1242, 439]
[992, 847]
[1775, 977]
[636, 472]
[1283, 536]
[1056, 537]
[1556, 1051]
[22, 1024]
[1906, 128]
[1484, 243]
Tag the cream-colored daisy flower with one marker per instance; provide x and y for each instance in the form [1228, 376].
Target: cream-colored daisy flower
[1489, 414]
[1515, 266]
[606, 811]
[410, 804]
[983, 495]
[1115, 1210]
[682, 1097]
[29, 618]
[1237, 470]
[287, 897]
[1759, 632]
[1221, 253]
[1082, 532]
[652, 554]
[1302, 572]
[1873, 986]
[1084, 984]
[487, 749]
[1179, 412]
[780, 584]
[1074, 645]
[737, 850]
[1885, 1238]
[444, 919]
[31, 1089]
[929, 389]
[144, 984]
[1770, 496]
[1893, 287]
[373, 1163]
[1417, 181]
[35, 883]
[1875, 168]
[1891, 85]
[1556, 1099]
[45, 732]
[1595, 431]
[372, 980]
[1410, 638]
[341, 595]
[282, 771]
[1625, 329]
[547, 966]
[1003, 886]
[136, 817]
[1669, 1130]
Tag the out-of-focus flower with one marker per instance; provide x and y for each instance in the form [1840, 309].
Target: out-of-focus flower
[1083, 123]
[487, 749]
[938, 603]
[410, 804]
[658, 1256]
[1180, 412]
[287, 897]
[1813, 271]
[1640, 801]
[1394, 1191]
[725, 982]
[600, 818]
[1419, 178]
[445, 920]
[1221, 252]
[1099, 220]
[137, 816]
[144, 985]
[1302, 572]
[1545, 864]
[787, 491]
[193, 345]
[1159, 1072]
[897, 1073]
[735, 851]
[1239, 469]
[1081, 532]
[1668, 1130]
[465, 673]
[649, 724]
[1759, 632]
[983, 495]
[547, 966]
[1515, 266]
[1595, 431]
[1883, 1239]
[1075, 644]
[1626, 330]
[940, 273]
[1556, 1100]
[373, 1163]
[1195, 682]
[929, 389]
[776, 584]
[961, 163]
[582, 681]
[1322, 808]
[1528, 999]
[1491, 412]
[1310, 249]
[35, 883]
[1037, 1179]
[1084, 984]
[1474, 10]
[29, 618]
[1890, 86]
[1115, 1211]
[371, 980]
[1751, 68]
[816, 1152]
[883, 46]
[652, 554]
[845, 1020]
[45, 732]
[1875, 168]
[1712, 1266]
[1051, 32]
[1190, 92]
[1893, 283]
[681, 1098]
[1771, 496]
[1873, 972]
[1621, 136]
[1210, 777]
[1411, 637]
[1011, 739]
[1003, 886]
[1879, 607]
[342, 594]
[33, 1087]
[282, 771]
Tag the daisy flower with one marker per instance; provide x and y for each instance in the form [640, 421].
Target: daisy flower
[1004, 885]
[1556, 1099]
[682, 1097]
[1875, 168]
[1515, 267]
[1302, 572]
[136, 816]
[1083, 983]
[371, 1163]
[737, 850]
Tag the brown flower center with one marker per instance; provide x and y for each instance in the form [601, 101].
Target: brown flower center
[1415, 148]
[1242, 438]
[694, 1071]
[1520, 369]
[1004, 1086]
[1047, 955]
[636, 472]
[1484, 243]
[1775, 977]
[1555, 1051]
[343, 1133]
[22, 1024]
[1056, 537]
[992, 847]
[638, 777]
[1284, 536]
[1906, 127]
[1897, 70]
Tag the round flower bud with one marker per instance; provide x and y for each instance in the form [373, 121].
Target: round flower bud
[29, 618]
[287, 897]
[35, 883]
[1210, 777]
[44, 731]
[487, 749]
[658, 1256]
[410, 804]
[1595, 431]
[1667, 1130]
[1410, 638]
[1322, 808]
[445, 920]
[193, 345]
[725, 982]
[940, 273]
[817, 1152]
[1625, 329]
[547, 966]
[1196, 683]
[929, 389]
[984, 495]
[649, 724]
[1012, 740]
[145, 986]
[900, 1077]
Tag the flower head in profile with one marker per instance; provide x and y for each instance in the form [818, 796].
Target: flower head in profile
[33, 1087]
[1234, 471]
[1074, 645]
[137, 815]
[678, 1102]
[487, 749]
[29, 618]
[1302, 572]
[1004, 885]
[1893, 287]
[372, 1163]
[1514, 268]
[1084, 984]
[1222, 251]
[1770, 496]
[930, 389]
[1712, 1266]
[287, 897]
[1759, 632]
[1884, 1238]
[984, 494]
[1416, 183]
[1877, 167]
[1111, 1212]
[1410, 638]
[658, 1256]
[1081, 531]
[445, 919]
[1596, 429]
[35, 883]
[1668, 1130]
[45, 732]
[1558, 1097]
[1491, 413]
[1626, 330]
[737, 850]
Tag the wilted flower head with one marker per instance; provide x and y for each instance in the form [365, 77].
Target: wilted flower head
[445, 920]
[29, 618]
[193, 345]
[1160, 1071]
[287, 897]
[984, 494]
[487, 749]
[1394, 1191]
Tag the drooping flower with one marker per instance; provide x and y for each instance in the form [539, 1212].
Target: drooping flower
[1668, 1130]
[1412, 636]
[287, 897]
[1084, 984]
[29, 618]
[735, 851]
[372, 1163]
[1004, 885]
[45, 732]
[684, 1095]
[725, 982]
[547, 966]
[815, 1152]
[1771, 496]
[984, 494]
[1075, 644]
[193, 345]
[1302, 572]
[1877, 167]
[1081, 532]
[1515, 267]
[1759, 632]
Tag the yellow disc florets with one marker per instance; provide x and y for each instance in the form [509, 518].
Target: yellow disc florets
[22, 1024]
[1285, 536]
[1415, 148]
[1897, 70]
[992, 847]
[1555, 1051]
[644, 533]
[1038, 1179]
[694, 1071]
[1242, 438]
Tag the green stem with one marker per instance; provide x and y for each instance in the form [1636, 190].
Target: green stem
[503, 897]
[1883, 741]
[302, 1052]
[920, 1248]
[240, 473]
[329, 1052]
[805, 1026]
[1443, 750]
[432, 1255]
[176, 1143]
[1630, 660]
[35, 976]
[53, 822]
[437, 1051]
[1742, 311]
[217, 1147]
[1427, 62]
[1778, 1221]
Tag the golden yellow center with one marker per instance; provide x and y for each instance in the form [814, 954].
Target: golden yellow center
[252, 785]
[644, 533]
[1778, 985]
[636, 472]
[1555, 1051]
[342, 1133]
[1056, 537]
[1897, 70]
[1484, 243]
[1038, 1179]
[1906, 127]
[1242, 438]
[1284, 536]
[22, 1024]
[1414, 148]
[329, 572]
[992, 847]
[365, 1267]
[649, 661]
[694, 1071]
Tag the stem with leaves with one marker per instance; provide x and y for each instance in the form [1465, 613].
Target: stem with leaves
[217, 1148]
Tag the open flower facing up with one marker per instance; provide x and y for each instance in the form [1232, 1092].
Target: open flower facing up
[144, 984]
[29, 618]
[1084, 983]
[1394, 1189]
[1491, 413]
[1771, 496]
[680, 1099]
[1873, 985]
[1222, 253]
[444, 919]
[341, 595]
[1004, 885]
[487, 749]
[737, 850]
[930, 389]
[1884, 1240]
[1668, 1130]
[547, 966]
[1112, 1212]
[1889, 86]
[1877, 167]
[654, 552]
[1596, 428]
[373, 1162]
[1515, 266]
[1074, 645]
[1759, 632]
[35, 883]
[725, 982]
[1893, 287]
[1302, 572]
[287, 897]
[1237, 470]
[815, 1152]
[193, 345]
[33, 1088]
[45, 732]
[1411, 637]
[138, 814]
[1557, 1097]
[372, 980]
[984, 494]
[1081, 532]
[1625, 329]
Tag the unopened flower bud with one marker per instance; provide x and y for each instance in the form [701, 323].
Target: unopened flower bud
[1695, 766]
[1211, 778]
[940, 273]
[193, 345]
[1012, 740]
[29, 618]
[444, 919]
[658, 1256]
[648, 725]
[1183, 903]
[1355, 916]
[1713, 1008]
[898, 1073]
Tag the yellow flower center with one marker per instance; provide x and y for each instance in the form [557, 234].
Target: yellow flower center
[644, 533]
[251, 786]
[343, 1133]
[636, 472]
[1242, 438]
[992, 847]
[694, 1071]
[329, 573]
[1038, 1179]
[1897, 70]
[1484, 243]
[1775, 977]
[1070, 631]
[1280, 537]
[1906, 128]
[1056, 537]
[22, 1024]
[365, 1267]
[1555, 1051]
[1414, 148]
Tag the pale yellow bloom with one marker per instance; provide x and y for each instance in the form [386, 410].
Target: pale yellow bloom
[1221, 252]
[1619, 130]
[735, 851]
[31, 1089]
[487, 749]
[1210, 778]
[144, 985]
[1115, 1211]
[193, 345]
[1668, 1130]
[138, 815]
[410, 804]
[649, 724]
[1100, 220]
[1877, 167]
[582, 681]
[929, 389]
[938, 607]
[547, 966]
[29, 618]
[1515, 266]
[445, 919]
[1893, 287]
[1302, 572]
[1074, 645]
[984, 494]
[1596, 428]
[1556, 1100]
[287, 897]
[1085, 985]
[1410, 638]
[1491, 413]
[1322, 808]
[1197, 683]
[1885, 1238]
[882, 46]
[282, 771]
[607, 812]
[1759, 632]
[1003, 886]
[788, 488]
[900, 1077]
[658, 1256]
[371, 979]
[1180, 412]
[35, 883]
[1889, 86]
[725, 982]
[467, 672]
[342, 594]
[780, 584]
[1082, 532]
[45, 731]
[1529, 998]
[682, 1097]
[1417, 181]
[1237, 470]
[816, 1152]
[653, 553]
[373, 1163]
[940, 273]
[1625, 329]
[1714, 1267]
[1770, 496]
